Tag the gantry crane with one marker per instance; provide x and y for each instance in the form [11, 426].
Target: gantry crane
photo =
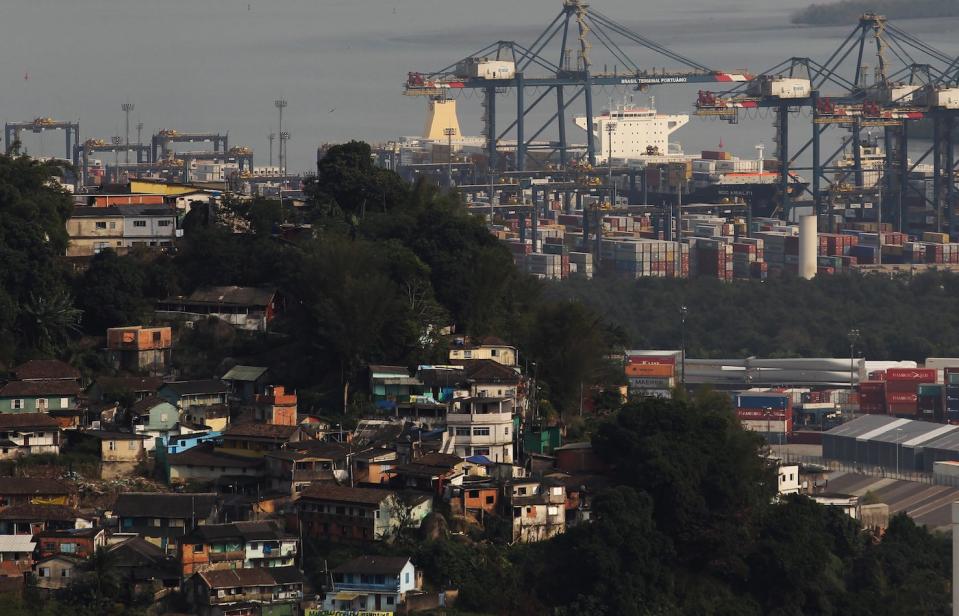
[892, 101]
[162, 142]
[12, 130]
[82, 152]
[507, 65]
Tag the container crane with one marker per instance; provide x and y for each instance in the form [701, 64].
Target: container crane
[162, 142]
[891, 102]
[12, 130]
[541, 67]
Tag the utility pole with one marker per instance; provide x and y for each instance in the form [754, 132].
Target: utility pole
[127, 108]
[280, 105]
[271, 138]
[449, 132]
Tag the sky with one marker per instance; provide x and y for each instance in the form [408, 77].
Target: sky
[218, 65]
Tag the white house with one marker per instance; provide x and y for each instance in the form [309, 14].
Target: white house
[371, 584]
[482, 427]
[788, 479]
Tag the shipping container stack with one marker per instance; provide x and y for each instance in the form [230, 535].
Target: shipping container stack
[902, 390]
[652, 375]
[713, 258]
[581, 265]
[641, 258]
[930, 402]
[951, 391]
[872, 397]
[749, 259]
[770, 413]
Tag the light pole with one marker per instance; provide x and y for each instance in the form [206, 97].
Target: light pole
[449, 132]
[682, 320]
[280, 105]
[284, 140]
[610, 129]
[271, 138]
[127, 108]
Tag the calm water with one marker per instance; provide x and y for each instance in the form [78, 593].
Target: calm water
[218, 65]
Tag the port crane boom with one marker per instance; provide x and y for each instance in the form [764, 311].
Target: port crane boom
[540, 67]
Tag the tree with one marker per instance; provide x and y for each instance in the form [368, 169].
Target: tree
[111, 292]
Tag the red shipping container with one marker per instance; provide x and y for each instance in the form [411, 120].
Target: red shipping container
[872, 409]
[901, 398]
[919, 375]
[904, 410]
[877, 375]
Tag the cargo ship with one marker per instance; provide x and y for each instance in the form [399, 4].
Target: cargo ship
[638, 137]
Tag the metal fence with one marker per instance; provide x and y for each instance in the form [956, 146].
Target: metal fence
[866, 469]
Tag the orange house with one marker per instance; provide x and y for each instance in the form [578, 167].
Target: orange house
[276, 406]
[139, 348]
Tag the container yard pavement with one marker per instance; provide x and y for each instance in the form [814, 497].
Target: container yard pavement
[927, 504]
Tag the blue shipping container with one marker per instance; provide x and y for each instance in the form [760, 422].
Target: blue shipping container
[762, 401]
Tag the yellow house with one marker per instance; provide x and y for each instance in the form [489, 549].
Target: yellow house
[486, 348]
[119, 446]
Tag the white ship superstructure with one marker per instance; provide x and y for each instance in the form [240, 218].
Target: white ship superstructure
[635, 132]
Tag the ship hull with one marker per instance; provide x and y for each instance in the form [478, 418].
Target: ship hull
[762, 198]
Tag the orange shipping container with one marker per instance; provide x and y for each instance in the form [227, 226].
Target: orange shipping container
[651, 370]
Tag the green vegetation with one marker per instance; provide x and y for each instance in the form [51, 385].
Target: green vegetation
[898, 318]
[688, 526]
[847, 12]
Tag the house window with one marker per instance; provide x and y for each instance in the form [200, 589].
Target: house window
[113, 446]
[407, 576]
[139, 223]
[127, 522]
[16, 405]
[155, 522]
[101, 225]
[506, 431]
[521, 491]
[480, 431]
[474, 493]
[44, 572]
[164, 223]
[65, 573]
[390, 600]
[552, 510]
[68, 548]
[177, 523]
[462, 431]
[198, 548]
[490, 500]
[468, 354]
[480, 451]
[42, 404]
[113, 225]
[64, 403]
[493, 352]
[132, 445]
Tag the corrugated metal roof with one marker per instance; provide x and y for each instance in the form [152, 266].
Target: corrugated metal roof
[861, 425]
[244, 373]
[929, 436]
[17, 543]
[947, 442]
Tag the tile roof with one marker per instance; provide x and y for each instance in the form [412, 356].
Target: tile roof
[40, 388]
[244, 373]
[343, 494]
[17, 543]
[39, 369]
[242, 296]
[147, 404]
[260, 430]
[135, 384]
[489, 371]
[249, 531]
[205, 386]
[374, 565]
[256, 576]
[33, 486]
[20, 421]
[39, 513]
[165, 505]
[206, 455]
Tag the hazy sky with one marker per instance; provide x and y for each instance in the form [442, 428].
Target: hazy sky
[218, 65]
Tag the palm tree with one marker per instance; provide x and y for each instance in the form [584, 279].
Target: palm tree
[48, 321]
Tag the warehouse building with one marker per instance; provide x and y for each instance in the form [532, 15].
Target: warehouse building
[878, 440]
